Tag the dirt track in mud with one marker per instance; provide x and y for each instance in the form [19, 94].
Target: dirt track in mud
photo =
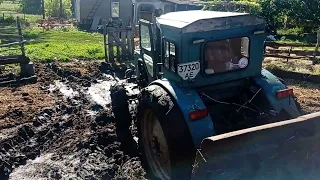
[62, 126]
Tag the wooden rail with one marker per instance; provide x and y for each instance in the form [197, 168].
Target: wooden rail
[26, 67]
[300, 54]
[19, 36]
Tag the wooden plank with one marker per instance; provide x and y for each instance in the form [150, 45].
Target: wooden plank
[290, 52]
[124, 39]
[21, 36]
[117, 47]
[272, 44]
[110, 46]
[111, 29]
[105, 42]
[119, 42]
[317, 45]
[12, 44]
[14, 60]
[10, 49]
[7, 28]
[32, 79]
[290, 57]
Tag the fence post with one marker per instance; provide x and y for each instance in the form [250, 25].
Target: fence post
[317, 45]
[21, 36]
[105, 41]
[110, 45]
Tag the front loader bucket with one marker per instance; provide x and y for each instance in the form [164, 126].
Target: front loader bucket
[284, 150]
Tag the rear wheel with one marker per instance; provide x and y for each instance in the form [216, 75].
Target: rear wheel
[155, 145]
[165, 142]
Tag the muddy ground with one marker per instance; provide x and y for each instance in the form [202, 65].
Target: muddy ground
[62, 127]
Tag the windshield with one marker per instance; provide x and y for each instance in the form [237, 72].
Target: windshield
[226, 55]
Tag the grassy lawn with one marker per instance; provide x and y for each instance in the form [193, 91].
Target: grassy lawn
[9, 7]
[63, 44]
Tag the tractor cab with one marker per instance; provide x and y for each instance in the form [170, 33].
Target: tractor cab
[199, 48]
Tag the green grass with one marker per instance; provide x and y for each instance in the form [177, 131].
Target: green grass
[295, 35]
[7, 6]
[62, 44]
[9, 9]
[30, 18]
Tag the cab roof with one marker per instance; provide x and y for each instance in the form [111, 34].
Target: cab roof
[199, 20]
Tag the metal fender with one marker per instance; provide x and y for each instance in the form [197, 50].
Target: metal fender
[187, 100]
[271, 84]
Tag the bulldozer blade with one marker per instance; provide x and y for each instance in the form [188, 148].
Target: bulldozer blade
[284, 150]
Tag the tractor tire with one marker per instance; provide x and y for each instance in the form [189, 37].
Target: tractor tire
[161, 125]
[123, 119]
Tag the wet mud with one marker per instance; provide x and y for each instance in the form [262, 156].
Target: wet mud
[66, 128]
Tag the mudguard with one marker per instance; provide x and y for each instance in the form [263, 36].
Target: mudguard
[188, 100]
[278, 151]
[271, 84]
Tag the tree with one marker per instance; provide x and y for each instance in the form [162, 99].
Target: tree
[52, 8]
[31, 6]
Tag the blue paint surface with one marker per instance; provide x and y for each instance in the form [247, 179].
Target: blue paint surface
[270, 85]
[186, 99]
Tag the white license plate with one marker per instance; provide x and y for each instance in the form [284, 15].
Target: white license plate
[189, 70]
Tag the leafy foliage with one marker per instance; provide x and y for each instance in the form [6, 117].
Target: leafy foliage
[52, 8]
[31, 6]
[280, 13]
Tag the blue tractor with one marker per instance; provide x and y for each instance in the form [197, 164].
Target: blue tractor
[205, 105]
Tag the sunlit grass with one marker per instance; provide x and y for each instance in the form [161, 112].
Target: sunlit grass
[62, 44]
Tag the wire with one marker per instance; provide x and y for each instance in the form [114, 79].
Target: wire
[249, 100]
[215, 100]
[221, 102]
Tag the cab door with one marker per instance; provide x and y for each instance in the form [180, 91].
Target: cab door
[147, 51]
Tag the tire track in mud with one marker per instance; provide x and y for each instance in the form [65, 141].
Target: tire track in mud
[74, 139]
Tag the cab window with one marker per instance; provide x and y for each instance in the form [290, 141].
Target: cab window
[226, 55]
[169, 55]
[145, 37]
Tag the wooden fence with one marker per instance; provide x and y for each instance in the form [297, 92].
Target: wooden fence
[118, 44]
[13, 41]
[299, 54]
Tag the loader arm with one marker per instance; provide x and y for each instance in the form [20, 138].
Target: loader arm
[283, 150]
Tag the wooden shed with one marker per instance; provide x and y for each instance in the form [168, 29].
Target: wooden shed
[89, 13]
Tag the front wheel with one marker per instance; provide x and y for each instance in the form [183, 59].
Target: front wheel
[165, 142]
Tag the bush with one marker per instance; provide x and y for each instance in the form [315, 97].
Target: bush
[235, 6]
[278, 13]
